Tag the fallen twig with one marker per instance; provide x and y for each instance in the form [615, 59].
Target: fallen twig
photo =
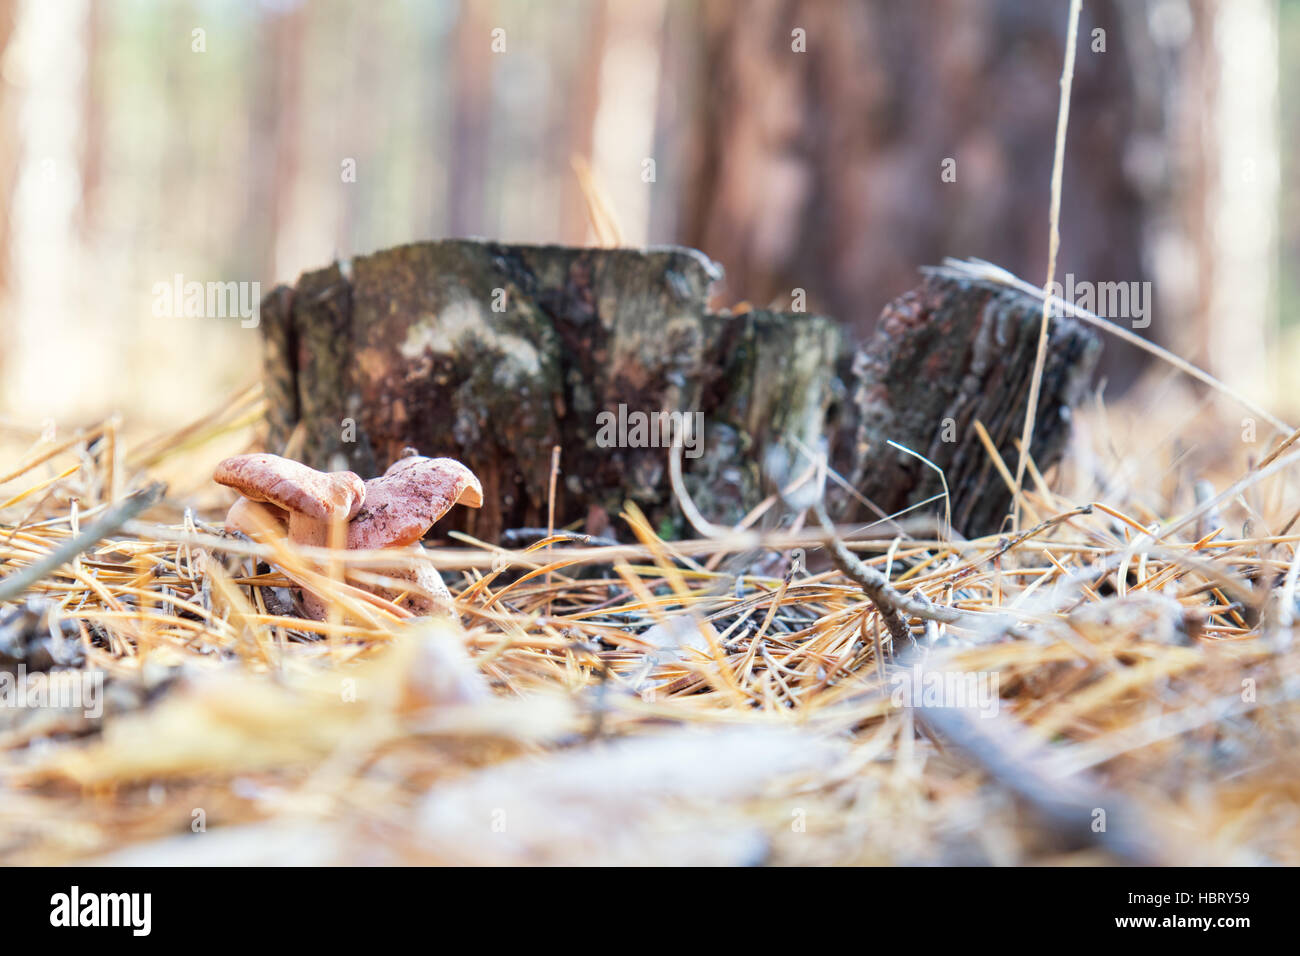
[111, 522]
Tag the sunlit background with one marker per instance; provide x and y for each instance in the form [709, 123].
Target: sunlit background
[799, 143]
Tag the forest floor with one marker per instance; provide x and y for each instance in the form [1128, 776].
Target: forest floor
[1121, 686]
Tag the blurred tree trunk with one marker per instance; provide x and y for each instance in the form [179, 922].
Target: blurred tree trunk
[822, 170]
[274, 111]
[471, 119]
[10, 154]
[9, 147]
[92, 138]
[1239, 120]
[579, 112]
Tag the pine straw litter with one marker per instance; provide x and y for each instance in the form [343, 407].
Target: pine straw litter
[1115, 683]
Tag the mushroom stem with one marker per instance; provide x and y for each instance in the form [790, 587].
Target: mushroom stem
[429, 595]
[315, 533]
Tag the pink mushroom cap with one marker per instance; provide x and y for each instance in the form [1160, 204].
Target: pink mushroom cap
[291, 485]
[411, 495]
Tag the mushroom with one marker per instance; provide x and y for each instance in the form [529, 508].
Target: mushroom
[402, 505]
[311, 499]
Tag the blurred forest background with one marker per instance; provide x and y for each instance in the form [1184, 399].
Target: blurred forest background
[212, 139]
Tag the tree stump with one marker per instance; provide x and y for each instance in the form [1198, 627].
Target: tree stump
[495, 354]
[945, 355]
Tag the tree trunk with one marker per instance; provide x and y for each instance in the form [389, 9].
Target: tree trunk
[849, 141]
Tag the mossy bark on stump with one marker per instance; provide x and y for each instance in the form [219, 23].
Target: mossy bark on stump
[495, 353]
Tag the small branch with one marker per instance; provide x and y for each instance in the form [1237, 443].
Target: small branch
[11, 586]
[886, 598]
[522, 537]
[1067, 804]
[1018, 540]
[892, 602]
